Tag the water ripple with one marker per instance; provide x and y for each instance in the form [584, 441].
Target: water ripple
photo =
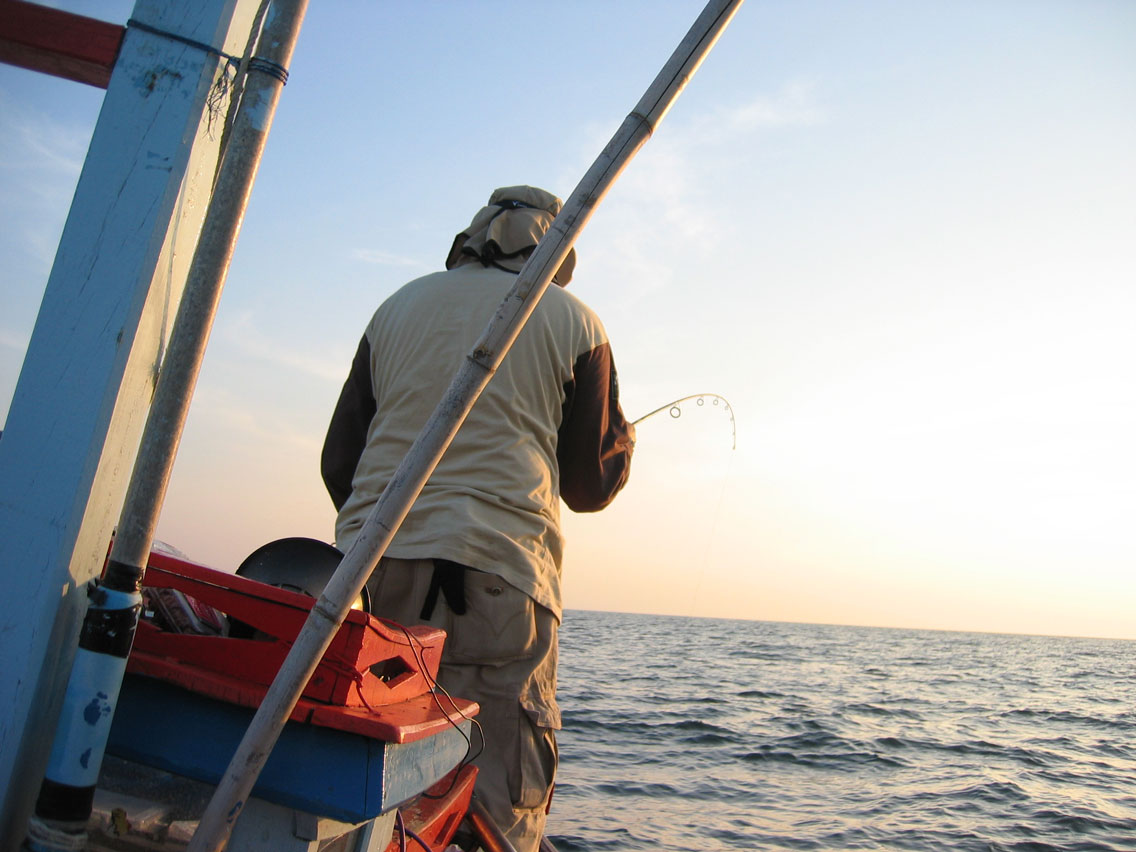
[780, 736]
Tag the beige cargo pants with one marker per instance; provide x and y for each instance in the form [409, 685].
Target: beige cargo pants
[502, 654]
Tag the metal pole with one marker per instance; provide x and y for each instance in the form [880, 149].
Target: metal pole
[112, 616]
[480, 364]
[492, 838]
[182, 363]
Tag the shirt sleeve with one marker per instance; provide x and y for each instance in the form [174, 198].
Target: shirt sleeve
[595, 441]
[347, 433]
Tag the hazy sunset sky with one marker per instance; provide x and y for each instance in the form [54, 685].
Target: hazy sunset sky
[899, 238]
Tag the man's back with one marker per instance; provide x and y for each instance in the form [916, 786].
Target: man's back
[492, 503]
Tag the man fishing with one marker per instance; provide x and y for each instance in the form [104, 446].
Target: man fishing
[480, 552]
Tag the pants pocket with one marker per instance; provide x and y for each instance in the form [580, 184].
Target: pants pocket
[537, 764]
[499, 624]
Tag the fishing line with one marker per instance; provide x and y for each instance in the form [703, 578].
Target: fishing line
[717, 516]
[674, 409]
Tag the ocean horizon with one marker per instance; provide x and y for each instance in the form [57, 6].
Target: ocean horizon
[979, 632]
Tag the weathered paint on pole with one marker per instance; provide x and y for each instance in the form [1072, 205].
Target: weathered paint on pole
[92, 361]
[68, 790]
[482, 361]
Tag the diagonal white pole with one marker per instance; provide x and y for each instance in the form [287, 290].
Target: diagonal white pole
[480, 364]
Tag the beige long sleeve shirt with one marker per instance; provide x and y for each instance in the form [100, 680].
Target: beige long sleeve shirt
[548, 425]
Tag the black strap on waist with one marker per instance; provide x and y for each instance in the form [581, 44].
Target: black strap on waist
[449, 579]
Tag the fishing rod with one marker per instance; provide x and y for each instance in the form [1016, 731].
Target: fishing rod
[675, 411]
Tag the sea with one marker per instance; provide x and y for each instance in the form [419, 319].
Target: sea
[707, 734]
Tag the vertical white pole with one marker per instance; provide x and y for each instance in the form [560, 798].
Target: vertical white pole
[67, 793]
[90, 369]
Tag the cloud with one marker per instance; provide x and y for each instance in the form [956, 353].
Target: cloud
[227, 416]
[34, 140]
[664, 194]
[793, 106]
[379, 257]
[242, 333]
[40, 161]
[8, 340]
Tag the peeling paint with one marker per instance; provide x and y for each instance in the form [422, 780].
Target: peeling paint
[96, 709]
[149, 81]
[259, 112]
[91, 714]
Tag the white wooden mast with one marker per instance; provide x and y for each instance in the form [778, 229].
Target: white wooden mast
[78, 409]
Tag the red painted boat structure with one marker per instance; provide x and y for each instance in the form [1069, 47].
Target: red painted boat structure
[368, 717]
[374, 680]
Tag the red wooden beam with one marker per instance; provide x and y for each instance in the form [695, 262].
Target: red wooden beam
[59, 43]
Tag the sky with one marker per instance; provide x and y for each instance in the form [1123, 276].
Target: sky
[897, 237]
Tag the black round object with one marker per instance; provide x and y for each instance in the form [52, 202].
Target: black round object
[297, 564]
